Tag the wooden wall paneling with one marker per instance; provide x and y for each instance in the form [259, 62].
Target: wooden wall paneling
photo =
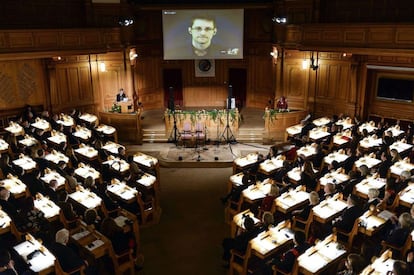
[261, 81]
[208, 96]
[149, 82]
[22, 82]
[296, 83]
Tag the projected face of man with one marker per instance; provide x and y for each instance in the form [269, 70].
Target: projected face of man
[202, 32]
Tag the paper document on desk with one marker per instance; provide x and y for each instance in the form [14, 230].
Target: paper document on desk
[80, 235]
[386, 215]
[94, 244]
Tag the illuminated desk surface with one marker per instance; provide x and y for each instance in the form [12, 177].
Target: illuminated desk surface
[339, 156]
[307, 151]
[401, 166]
[257, 191]
[4, 146]
[335, 177]
[57, 137]
[381, 265]
[321, 256]
[346, 123]
[112, 147]
[41, 124]
[25, 162]
[47, 206]
[121, 190]
[291, 200]
[28, 141]
[117, 164]
[319, 133]
[369, 161]
[85, 198]
[91, 241]
[238, 221]
[42, 262]
[85, 171]
[371, 221]
[87, 151]
[15, 129]
[5, 221]
[145, 160]
[270, 241]
[322, 121]
[270, 166]
[362, 188]
[244, 162]
[14, 185]
[56, 157]
[370, 142]
[369, 126]
[406, 196]
[328, 209]
[53, 175]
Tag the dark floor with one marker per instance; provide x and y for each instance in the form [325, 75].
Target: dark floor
[188, 238]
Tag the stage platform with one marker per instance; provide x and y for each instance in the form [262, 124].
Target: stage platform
[209, 156]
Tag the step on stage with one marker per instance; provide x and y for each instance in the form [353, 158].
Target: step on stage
[170, 155]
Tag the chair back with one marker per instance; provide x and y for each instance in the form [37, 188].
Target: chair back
[239, 262]
[59, 270]
[122, 262]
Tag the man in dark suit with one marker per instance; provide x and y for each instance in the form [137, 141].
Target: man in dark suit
[121, 95]
[350, 214]
[67, 257]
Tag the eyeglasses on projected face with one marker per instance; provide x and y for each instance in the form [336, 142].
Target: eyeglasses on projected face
[200, 29]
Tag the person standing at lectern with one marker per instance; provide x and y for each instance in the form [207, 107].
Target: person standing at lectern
[121, 95]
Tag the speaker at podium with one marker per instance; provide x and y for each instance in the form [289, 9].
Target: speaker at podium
[126, 106]
[232, 104]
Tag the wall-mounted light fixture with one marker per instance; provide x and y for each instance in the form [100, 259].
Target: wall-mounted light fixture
[314, 63]
[102, 66]
[125, 21]
[305, 64]
[279, 19]
[275, 54]
[132, 54]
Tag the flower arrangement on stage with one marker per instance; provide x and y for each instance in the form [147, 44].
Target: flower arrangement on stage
[116, 108]
[196, 115]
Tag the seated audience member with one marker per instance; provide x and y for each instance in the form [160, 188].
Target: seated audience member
[65, 206]
[241, 241]
[121, 242]
[395, 156]
[248, 179]
[286, 260]
[348, 186]
[8, 204]
[401, 268]
[385, 165]
[308, 176]
[268, 221]
[51, 190]
[67, 256]
[35, 219]
[328, 190]
[12, 264]
[42, 163]
[373, 199]
[354, 264]
[71, 180]
[400, 231]
[349, 215]
[303, 213]
[267, 201]
[389, 194]
[92, 218]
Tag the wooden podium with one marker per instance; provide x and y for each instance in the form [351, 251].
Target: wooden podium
[126, 106]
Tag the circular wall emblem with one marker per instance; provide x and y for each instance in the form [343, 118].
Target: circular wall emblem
[204, 65]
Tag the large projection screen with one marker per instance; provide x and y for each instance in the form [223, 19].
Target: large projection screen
[203, 34]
